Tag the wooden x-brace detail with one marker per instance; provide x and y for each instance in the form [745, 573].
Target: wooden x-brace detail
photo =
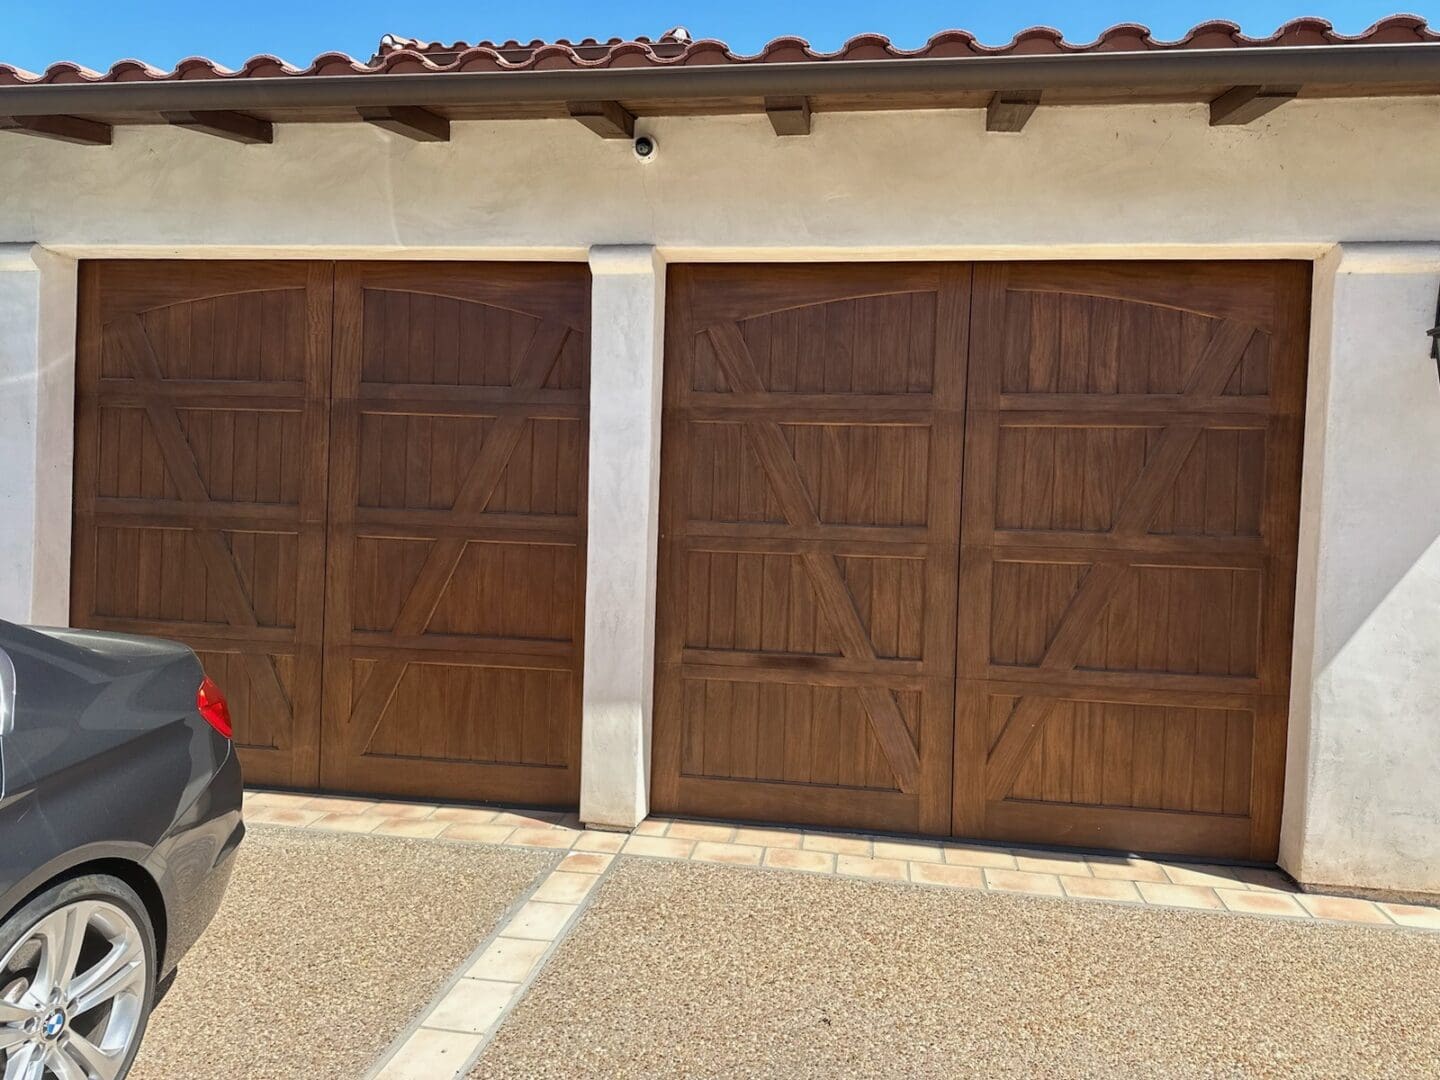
[445, 553]
[831, 593]
[1132, 519]
[128, 335]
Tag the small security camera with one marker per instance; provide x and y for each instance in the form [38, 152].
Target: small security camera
[645, 148]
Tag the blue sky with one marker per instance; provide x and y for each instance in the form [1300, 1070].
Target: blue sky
[98, 32]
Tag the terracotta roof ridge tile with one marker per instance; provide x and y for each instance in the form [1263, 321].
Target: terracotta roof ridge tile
[676, 48]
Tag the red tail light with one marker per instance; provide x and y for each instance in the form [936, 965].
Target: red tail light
[211, 704]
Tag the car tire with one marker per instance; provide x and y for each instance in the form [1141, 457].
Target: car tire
[116, 931]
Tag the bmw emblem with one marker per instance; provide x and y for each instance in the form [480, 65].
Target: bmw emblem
[54, 1024]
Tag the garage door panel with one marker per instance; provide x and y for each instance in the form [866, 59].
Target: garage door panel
[515, 716]
[789, 732]
[810, 503]
[1129, 527]
[456, 526]
[199, 484]
[1197, 620]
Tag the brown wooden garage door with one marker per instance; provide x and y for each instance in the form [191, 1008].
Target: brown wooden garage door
[357, 490]
[1126, 565]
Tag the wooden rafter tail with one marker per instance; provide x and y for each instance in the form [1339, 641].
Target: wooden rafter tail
[608, 119]
[411, 121]
[234, 126]
[1010, 110]
[1242, 104]
[788, 115]
[70, 129]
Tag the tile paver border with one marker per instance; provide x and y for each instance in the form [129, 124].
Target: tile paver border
[446, 1039]
[1236, 891]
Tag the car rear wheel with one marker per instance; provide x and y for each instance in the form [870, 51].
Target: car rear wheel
[77, 982]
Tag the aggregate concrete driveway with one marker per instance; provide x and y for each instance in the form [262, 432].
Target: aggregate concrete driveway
[682, 969]
[326, 947]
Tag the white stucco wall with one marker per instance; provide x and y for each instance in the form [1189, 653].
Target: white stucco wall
[1363, 796]
[930, 184]
[1363, 786]
[37, 392]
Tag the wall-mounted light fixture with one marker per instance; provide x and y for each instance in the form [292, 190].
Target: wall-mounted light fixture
[1435, 338]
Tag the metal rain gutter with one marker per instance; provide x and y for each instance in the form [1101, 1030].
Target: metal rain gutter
[1372, 67]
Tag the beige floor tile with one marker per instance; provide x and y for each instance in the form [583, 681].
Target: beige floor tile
[838, 845]
[585, 862]
[416, 828]
[275, 815]
[966, 855]
[1261, 903]
[548, 836]
[1422, 918]
[734, 854]
[1093, 888]
[569, 821]
[464, 815]
[1207, 877]
[652, 827]
[598, 840]
[279, 800]
[405, 809]
[472, 1005]
[960, 877]
[539, 921]
[562, 887]
[1024, 881]
[478, 834]
[661, 847]
[529, 819]
[331, 804]
[431, 1055]
[1343, 908]
[1264, 880]
[780, 838]
[910, 851]
[1125, 869]
[694, 830]
[815, 862]
[1057, 862]
[353, 823]
[861, 866]
[1187, 896]
[508, 960]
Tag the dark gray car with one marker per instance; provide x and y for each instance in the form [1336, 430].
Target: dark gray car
[119, 819]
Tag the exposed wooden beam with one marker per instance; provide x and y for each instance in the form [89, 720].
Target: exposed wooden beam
[413, 122]
[788, 115]
[608, 119]
[1241, 104]
[1010, 109]
[235, 126]
[71, 129]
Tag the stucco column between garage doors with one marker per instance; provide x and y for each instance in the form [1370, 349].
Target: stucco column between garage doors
[1362, 791]
[626, 378]
[37, 432]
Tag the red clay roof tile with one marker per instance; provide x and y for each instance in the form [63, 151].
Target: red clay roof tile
[675, 48]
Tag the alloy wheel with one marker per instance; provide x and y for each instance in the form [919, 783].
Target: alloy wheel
[72, 995]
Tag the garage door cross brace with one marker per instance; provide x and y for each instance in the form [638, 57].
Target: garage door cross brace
[445, 553]
[1132, 519]
[831, 593]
